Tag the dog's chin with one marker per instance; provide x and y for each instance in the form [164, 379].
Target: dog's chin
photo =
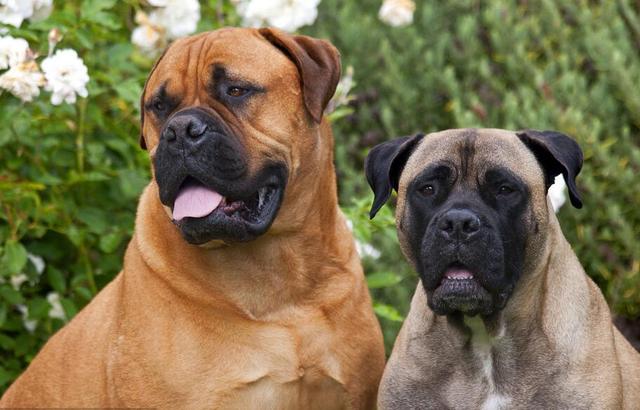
[240, 219]
[459, 291]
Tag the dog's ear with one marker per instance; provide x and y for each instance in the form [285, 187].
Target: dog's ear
[318, 63]
[384, 165]
[143, 143]
[557, 153]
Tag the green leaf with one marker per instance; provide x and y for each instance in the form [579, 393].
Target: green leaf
[97, 221]
[5, 375]
[56, 279]
[132, 182]
[84, 293]
[38, 308]
[75, 235]
[110, 241]
[382, 280]
[129, 90]
[387, 312]
[12, 296]
[69, 307]
[15, 257]
[94, 11]
[3, 313]
[6, 342]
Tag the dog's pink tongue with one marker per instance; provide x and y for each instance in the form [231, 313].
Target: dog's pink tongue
[195, 201]
[459, 274]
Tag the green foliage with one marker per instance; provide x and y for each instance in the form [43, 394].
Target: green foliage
[70, 175]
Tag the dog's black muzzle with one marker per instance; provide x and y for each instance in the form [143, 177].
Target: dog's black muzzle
[463, 262]
[198, 149]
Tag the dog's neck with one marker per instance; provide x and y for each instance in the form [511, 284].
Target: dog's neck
[292, 263]
[551, 288]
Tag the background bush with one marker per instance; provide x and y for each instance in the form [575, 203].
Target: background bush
[70, 175]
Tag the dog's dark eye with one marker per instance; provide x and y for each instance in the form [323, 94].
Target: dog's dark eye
[427, 190]
[505, 190]
[159, 106]
[235, 91]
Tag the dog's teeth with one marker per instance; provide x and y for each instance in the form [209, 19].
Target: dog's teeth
[261, 195]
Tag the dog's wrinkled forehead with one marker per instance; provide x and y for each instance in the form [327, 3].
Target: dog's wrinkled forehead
[241, 54]
[472, 152]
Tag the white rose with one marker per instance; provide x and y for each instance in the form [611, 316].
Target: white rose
[29, 324]
[41, 9]
[178, 18]
[37, 262]
[18, 280]
[13, 51]
[147, 37]
[158, 3]
[367, 250]
[23, 81]
[397, 13]
[557, 194]
[66, 76]
[14, 12]
[56, 311]
[341, 97]
[287, 15]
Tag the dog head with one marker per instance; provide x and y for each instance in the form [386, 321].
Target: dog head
[472, 207]
[231, 119]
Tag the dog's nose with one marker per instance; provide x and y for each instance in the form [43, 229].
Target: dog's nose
[186, 127]
[459, 224]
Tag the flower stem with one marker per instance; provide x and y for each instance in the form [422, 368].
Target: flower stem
[81, 109]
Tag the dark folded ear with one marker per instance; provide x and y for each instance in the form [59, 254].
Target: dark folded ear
[384, 165]
[318, 63]
[557, 154]
[143, 144]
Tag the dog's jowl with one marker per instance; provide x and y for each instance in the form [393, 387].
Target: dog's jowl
[241, 287]
[504, 316]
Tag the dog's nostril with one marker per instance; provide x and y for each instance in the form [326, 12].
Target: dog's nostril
[170, 134]
[471, 225]
[445, 225]
[196, 129]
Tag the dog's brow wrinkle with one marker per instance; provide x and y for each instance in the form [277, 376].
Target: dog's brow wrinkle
[467, 152]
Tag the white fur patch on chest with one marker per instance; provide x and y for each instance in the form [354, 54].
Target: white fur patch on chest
[482, 344]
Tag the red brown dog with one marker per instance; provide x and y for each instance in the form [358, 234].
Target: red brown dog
[241, 286]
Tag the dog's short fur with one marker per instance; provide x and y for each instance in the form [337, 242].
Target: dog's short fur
[504, 315]
[260, 304]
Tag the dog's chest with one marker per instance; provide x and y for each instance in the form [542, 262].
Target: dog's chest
[496, 373]
[482, 353]
[235, 366]
[299, 371]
